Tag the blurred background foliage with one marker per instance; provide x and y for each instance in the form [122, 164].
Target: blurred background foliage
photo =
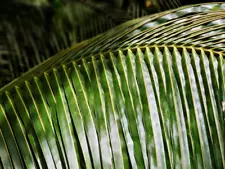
[33, 30]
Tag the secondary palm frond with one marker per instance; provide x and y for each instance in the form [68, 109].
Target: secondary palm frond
[41, 28]
[147, 94]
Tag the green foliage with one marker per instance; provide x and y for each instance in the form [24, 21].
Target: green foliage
[31, 33]
[34, 30]
[146, 94]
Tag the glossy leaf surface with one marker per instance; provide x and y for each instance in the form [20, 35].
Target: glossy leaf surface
[112, 102]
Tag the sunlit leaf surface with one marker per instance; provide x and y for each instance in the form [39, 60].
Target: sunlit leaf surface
[148, 94]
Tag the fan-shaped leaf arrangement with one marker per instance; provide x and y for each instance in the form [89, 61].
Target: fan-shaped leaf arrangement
[147, 94]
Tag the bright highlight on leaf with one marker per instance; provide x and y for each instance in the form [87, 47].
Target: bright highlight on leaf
[147, 94]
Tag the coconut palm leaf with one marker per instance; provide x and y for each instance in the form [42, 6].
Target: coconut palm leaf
[63, 23]
[42, 28]
[147, 94]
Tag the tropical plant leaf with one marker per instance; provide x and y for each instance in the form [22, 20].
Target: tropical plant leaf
[158, 101]
[138, 96]
[63, 23]
[42, 28]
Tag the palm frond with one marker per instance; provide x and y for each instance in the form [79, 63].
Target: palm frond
[63, 22]
[42, 28]
[138, 96]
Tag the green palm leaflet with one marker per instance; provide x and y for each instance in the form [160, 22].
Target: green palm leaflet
[146, 94]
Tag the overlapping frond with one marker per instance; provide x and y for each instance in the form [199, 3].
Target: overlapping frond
[147, 94]
[41, 28]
